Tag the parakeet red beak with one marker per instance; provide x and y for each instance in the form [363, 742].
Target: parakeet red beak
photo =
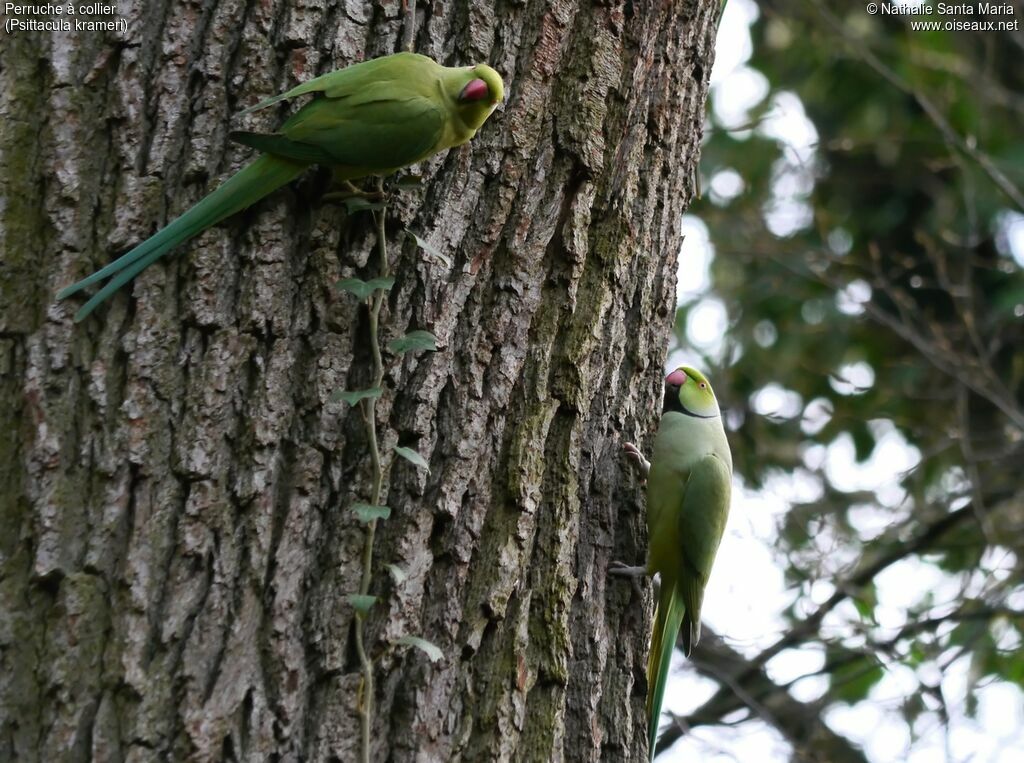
[474, 91]
[677, 378]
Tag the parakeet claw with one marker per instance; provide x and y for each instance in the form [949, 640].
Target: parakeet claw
[633, 454]
[623, 570]
[633, 574]
[349, 190]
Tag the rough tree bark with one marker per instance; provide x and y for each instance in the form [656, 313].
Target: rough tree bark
[176, 542]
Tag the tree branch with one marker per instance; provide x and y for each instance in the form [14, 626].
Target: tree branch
[799, 722]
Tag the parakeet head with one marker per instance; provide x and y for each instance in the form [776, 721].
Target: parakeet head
[480, 92]
[688, 391]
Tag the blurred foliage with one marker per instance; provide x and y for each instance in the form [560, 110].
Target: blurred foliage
[869, 272]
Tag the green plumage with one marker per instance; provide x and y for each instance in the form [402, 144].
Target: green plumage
[371, 118]
[688, 493]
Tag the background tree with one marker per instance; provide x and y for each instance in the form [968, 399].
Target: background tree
[178, 541]
[864, 197]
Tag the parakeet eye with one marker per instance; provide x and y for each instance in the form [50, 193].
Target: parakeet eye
[474, 91]
[703, 385]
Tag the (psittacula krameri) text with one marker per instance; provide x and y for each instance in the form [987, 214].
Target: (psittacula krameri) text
[372, 118]
[689, 481]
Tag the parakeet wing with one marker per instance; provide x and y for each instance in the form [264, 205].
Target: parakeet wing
[400, 67]
[702, 520]
[385, 134]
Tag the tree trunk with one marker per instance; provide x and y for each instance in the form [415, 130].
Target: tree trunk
[177, 538]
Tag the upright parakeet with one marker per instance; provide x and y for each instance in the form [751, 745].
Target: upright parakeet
[688, 488]
[371, 118]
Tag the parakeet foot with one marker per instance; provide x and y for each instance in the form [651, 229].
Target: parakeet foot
[618, 569]
[640, 463]
[347, 190]
[623, 570]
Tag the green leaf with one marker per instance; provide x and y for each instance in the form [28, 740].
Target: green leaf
[354, 396]
[864, 609]
[429, 649]
[863, 442]
[967, 632]
[367, 512]
[359, 204]
[913, 706]
[852, 674]
[397, 573]
[411, 455]
[865, 602]
[360, 602]
[430, 249]
[363, 289]
[414, 340]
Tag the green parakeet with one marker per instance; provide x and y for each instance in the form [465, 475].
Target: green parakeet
[688, 489]
[371, 118]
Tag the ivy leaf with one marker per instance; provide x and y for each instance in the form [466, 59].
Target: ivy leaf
[397, 573]
[367, 512]
[431, 250]
[354, 396]
[414, 340]
[412, 456]
[429, 649]
[359, 204]
[360, 602]
[363, 289]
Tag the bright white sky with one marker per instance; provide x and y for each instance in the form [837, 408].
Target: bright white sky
[747, 593]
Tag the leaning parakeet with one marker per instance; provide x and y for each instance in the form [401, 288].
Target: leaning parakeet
[689, 480]
[371, 118]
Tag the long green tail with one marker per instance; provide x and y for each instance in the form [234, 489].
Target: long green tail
[244, 188]
[667, 619]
